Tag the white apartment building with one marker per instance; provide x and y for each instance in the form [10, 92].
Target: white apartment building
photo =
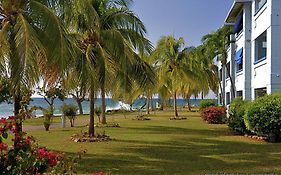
[254, 54]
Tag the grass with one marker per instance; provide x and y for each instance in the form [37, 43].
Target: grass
[164, 147]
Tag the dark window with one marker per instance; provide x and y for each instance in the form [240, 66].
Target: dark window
[228, 98]
[260, 92]
[239, 93]
[227, 70]
[260, 47]
[259, 4]
[239, 67]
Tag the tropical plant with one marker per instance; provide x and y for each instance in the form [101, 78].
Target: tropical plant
[207, 103]
[173, 68]
[263, 116]
[26, 157]
[107, 33]
[216, 44]
[69, 111]
[27, 50]
[214, 114]
[237, 111]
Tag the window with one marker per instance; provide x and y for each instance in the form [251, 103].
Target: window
[220, 98]
[227, 70]
[239, 93]
[260, 92]
[260, 47]
[259, 4]
[239, 60]
[227, 98]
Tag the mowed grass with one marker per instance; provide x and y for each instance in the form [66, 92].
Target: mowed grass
[164, 147]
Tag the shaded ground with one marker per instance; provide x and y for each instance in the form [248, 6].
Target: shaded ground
[164, 147]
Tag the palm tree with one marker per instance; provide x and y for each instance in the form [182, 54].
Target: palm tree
[109, 33]
[33, 43]
[216, 45]
[174, 69]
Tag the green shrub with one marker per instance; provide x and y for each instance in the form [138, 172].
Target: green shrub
[263, 116]
[236, 116]
[207, 103]
[214, 114]
[70, 112]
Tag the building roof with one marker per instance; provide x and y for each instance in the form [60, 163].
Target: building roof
[234, 11]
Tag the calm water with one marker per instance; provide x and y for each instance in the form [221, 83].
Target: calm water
[7, 109]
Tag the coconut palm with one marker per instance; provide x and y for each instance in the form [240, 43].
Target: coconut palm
[109, 33]
[174, 68]
[216, 45]
[33, 43]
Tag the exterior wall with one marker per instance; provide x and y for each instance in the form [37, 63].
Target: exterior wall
[261, 70]
[265, 73]
[275, 49]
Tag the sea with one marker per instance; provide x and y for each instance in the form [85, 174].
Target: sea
[6, 109]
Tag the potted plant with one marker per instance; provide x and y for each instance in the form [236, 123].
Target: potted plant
[70, 112]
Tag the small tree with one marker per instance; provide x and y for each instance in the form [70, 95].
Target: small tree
[70, 112]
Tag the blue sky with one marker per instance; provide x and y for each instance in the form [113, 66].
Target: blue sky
[190, 19]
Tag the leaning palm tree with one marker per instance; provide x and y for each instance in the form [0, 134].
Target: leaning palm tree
[174, 69]
[33, 43]
[216, 45]
[108, 34]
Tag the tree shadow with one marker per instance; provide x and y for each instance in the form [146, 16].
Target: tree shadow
[193, 151]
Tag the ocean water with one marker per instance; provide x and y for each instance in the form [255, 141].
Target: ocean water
[7, 109]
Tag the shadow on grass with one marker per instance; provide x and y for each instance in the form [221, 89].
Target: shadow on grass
[192, 151]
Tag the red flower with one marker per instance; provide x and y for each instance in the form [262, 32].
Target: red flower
[12, 117]
[1, 130]
[3, 121]
[3, 146]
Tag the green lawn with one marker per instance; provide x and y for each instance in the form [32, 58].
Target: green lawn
[164, 147]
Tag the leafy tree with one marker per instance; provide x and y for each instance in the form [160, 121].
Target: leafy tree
[174, 68]
[33, 42]
[108, 33]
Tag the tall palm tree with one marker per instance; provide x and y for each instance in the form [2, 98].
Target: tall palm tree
[216, 45]
[174, 69]
[109, 33]
[33, 43]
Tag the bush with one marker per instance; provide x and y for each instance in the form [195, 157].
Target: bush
[263, 117]
[25, 157]
[214, 115]
[236, 116]
[70, 112]
[207, 103]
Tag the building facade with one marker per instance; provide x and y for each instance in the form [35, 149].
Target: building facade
[253, 65]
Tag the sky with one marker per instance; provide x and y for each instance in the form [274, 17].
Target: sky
[190, 19]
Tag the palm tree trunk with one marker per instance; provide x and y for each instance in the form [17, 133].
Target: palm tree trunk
[147, 105]
[175, 105]
[17, 107]
[188, 103]
[103, 105]
[92, 112]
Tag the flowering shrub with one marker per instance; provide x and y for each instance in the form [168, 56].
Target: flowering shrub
[25, 157]
[214, 115]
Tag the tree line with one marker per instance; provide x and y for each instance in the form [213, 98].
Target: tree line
[95, 47]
